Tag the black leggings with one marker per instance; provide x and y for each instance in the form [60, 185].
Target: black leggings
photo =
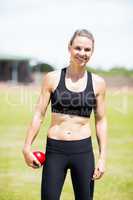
[61, 155]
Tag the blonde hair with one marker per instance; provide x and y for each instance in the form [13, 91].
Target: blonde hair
[84, 33]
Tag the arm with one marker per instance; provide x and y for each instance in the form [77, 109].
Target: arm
[101, 130]
[34, 127]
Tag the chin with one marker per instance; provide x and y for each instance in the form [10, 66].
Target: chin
[82, 64]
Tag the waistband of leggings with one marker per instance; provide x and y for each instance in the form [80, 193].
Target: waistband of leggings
[69, 146]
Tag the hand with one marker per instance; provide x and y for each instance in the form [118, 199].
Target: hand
[30, 159]
[99, 170]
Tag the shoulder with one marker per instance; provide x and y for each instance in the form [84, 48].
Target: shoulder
[52, 74]
[51, 78]
[99, 84]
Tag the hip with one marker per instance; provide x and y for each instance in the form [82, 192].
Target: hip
[69, 147]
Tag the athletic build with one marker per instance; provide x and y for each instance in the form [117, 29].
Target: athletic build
[73, 93]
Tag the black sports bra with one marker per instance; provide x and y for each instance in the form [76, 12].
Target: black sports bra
[73, 103]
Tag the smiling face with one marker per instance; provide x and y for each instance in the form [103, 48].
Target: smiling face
[80, 50]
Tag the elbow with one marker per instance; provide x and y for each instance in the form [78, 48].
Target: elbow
[101, 124]
[100, 118]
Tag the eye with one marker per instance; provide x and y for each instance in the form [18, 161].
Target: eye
[78, 48]
[87, 49]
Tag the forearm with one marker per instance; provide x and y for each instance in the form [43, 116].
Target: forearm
[32, 132]
[101, 132]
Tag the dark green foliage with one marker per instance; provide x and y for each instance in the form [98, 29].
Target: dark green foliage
[43, 67]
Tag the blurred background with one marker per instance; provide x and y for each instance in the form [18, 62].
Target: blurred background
[34, 37]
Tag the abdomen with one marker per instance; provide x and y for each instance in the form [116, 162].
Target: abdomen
[68, 127]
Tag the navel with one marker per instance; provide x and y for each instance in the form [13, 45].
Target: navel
[68, 133]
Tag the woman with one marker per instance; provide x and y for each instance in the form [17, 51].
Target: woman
[73, 93]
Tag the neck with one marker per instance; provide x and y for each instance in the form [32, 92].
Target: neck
[76, 71]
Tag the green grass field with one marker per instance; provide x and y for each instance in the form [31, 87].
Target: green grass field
[19, 182]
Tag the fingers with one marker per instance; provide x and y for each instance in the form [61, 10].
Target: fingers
[99, 170]
[97, 174]
[31, 160]
[35, 163]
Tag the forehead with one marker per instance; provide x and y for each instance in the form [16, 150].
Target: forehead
[82, 41]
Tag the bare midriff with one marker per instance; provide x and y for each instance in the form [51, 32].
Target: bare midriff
[69, 127]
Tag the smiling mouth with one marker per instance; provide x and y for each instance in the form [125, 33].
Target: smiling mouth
[82, 59]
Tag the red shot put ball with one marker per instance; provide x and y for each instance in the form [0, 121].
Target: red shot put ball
[40, 156]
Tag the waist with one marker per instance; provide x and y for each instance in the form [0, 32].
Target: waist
[69, 147]
[69, 128]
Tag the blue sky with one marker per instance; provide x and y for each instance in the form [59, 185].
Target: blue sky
[43, 28]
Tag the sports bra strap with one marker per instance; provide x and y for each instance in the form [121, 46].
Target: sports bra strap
[62, 77]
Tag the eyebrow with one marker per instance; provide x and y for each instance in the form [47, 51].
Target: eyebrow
[86, 49]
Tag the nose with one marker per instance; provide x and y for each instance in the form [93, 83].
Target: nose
[82, 52]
